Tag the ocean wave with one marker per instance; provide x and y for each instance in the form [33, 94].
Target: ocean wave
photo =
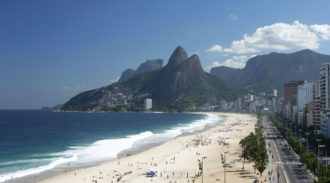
[36, 170]
[110, 148]
[208, 120]
[24, 161]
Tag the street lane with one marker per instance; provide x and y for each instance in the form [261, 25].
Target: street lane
[294, 170]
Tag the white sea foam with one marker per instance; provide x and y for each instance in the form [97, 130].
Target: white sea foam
[109, 148]
[97, 151]
[25, 161]
[36, 170]
[208, 120]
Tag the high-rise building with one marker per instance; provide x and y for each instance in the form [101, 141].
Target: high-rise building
[289, 106]
[324, 85]
[316, 105]
[290, 90]
[274, 104]
[239, 104]
[223, 105]
[147, 104]
[309, 115]
[274, 93]
[274, 101]
[304, 97]
[325, 99]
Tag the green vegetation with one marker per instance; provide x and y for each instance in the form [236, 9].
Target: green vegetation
[263, 73]
[254, 149]
[307, 158]
[181, 85]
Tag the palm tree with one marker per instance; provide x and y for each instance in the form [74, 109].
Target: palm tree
[244, 154]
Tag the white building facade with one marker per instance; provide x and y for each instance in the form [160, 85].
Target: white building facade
[316, 105]
[304, 97]
[147, 104]
[324, 99]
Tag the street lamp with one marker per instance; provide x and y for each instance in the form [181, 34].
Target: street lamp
[321, 146]
[224, 165]
[203, 168]
[326, 157]
[318, 153]
[300, 141]
[307, 133]
[285, 126]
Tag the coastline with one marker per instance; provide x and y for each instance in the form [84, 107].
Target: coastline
[177, 155]
[32, 178]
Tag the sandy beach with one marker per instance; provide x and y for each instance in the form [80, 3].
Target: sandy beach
[177, 160]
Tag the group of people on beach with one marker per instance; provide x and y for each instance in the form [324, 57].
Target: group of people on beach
[163, 167]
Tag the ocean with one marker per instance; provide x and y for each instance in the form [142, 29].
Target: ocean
[33, 141]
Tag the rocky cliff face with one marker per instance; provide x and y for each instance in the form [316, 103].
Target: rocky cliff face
[147, 66]
[267, 72]
[181, 84]
[180, 73]
[127, 74]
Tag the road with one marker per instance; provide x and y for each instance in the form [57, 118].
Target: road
[291, 170]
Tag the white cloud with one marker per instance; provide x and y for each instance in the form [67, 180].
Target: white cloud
[215, 64]
[216, 48]
[240, 58]
[229, 63]
[322, 30]
[233, 62]
[279, 36]
[115, 80]
[251, 56]
[233, 17]
[194, 52]
[76, 88]
[111, 80]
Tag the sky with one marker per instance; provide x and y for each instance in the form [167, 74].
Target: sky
[52, 50]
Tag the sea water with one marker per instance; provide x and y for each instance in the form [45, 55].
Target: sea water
[33, 141]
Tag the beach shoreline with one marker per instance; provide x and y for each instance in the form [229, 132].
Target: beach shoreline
[32, 178]
[176, 159]
[105, 171]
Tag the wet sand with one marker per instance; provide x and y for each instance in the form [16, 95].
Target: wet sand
[177, 159]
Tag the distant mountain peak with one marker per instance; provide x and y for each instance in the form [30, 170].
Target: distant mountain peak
[148, 65]
[271, 71]
[180, 62]
[181, 85]
[195, 64]
[195, 56]
[128, 73]
[159, 61]
[178, 56]
[306, 51]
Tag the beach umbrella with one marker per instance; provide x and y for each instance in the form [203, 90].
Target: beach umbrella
[151, 173]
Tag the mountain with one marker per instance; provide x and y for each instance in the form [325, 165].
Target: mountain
[267, 72]
[180, 85]
[127, 74]
[148, 65]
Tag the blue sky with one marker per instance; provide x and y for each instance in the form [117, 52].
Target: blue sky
[52, 50]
